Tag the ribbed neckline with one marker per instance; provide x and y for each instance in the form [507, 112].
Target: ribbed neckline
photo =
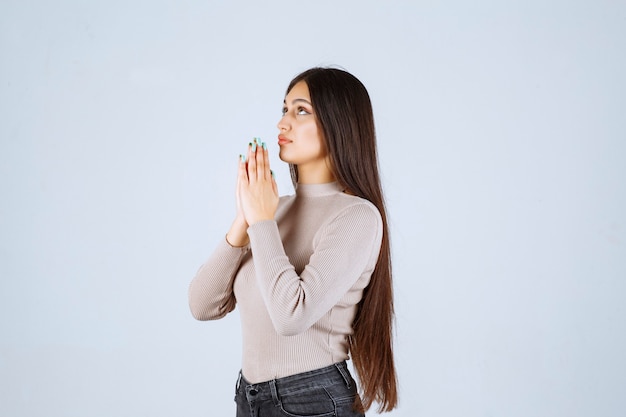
[318, 190]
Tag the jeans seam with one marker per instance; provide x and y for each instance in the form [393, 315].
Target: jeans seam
[333, 400]
[279, 403]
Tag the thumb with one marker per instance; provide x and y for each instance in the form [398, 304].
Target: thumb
[242, 173]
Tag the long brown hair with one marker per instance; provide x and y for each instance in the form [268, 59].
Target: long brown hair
[344, 114]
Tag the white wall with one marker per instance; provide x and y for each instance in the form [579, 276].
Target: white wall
[502, 145]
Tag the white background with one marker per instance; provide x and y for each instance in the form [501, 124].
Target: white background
[502, 135]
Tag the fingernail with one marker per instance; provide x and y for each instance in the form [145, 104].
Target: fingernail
[243, 158]
[272, 172]
[253, 146]
[264, 146]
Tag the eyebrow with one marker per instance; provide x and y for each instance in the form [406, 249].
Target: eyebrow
[295, 100]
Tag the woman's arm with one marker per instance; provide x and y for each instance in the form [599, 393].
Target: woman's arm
[211, 291]
[345, 250]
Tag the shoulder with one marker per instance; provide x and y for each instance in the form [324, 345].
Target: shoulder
[353, 221]
[357, 210]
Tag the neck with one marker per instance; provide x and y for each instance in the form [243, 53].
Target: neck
[314, 175]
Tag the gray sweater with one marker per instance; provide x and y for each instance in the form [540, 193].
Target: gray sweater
[297, 283]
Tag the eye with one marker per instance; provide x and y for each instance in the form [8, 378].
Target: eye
[284, 111]
[302, 110]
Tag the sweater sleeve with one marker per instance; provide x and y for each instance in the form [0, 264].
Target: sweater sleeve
[211, 294]
[345, 249]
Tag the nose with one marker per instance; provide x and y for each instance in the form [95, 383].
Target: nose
[283, 123]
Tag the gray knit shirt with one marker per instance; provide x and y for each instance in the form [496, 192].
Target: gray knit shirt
[297, 284]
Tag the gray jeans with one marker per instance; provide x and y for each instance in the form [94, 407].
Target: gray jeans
[324, 392]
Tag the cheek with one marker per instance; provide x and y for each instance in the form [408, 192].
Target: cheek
[313, 140]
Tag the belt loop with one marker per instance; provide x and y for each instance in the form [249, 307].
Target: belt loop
[274, 392]
[341, 367]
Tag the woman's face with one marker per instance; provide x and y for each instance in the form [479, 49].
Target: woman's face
[299, 139]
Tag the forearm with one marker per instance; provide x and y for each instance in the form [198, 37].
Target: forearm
[211, 290]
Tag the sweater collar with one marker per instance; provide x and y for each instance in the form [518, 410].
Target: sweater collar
[318, 190]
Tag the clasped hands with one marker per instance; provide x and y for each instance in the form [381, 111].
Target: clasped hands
[257, 192]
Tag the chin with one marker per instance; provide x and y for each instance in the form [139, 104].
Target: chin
[284, 157]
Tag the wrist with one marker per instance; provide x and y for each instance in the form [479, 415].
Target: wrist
[240, 222]
[237, 236]
[259, 219]
[237, 241]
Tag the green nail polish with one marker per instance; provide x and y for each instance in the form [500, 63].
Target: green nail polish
[243, 158]
[264, 146]
[254, 147]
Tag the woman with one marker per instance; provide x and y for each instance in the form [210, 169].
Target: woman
[311, 273]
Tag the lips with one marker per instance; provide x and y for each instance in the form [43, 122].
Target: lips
[282, 140]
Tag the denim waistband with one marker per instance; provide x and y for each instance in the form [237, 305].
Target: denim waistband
[329, 375]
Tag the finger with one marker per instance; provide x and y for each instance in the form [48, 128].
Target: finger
[266, 159]
[252, 162]
[242, 175]
[274, 185]
[261, 161]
